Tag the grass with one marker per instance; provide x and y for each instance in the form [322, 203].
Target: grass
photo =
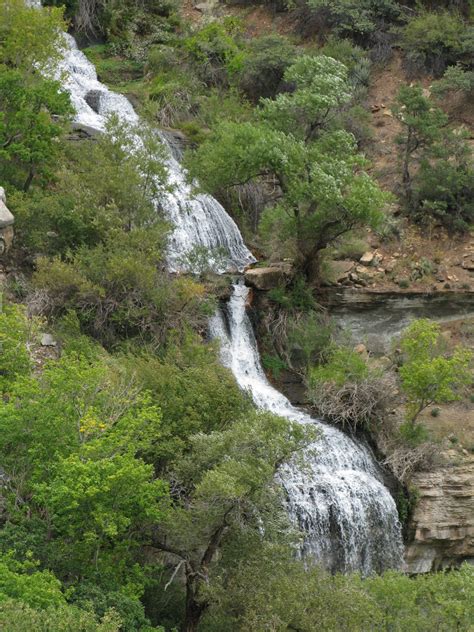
[112, 69]
[352, 248]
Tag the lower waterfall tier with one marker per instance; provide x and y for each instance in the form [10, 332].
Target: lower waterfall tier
[348, 516]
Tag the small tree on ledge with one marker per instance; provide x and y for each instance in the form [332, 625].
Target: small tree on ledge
[428, 376]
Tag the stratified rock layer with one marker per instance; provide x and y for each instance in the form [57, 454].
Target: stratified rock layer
[443, 520]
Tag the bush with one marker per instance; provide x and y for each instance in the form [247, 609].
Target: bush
[433, 41]
[119, 292]
[214, 52]
[444, 187]
[360, 20]
[455, 79]
[265, 62]
[16, 330]
[427, 375]
[343, 365]
[86, 206]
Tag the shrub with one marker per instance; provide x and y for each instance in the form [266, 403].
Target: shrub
[433, 41]
[266, 60]
[214, 52]
[444, 188]
[360, 20]
[455, 79]
[427, 376]
[119, 292]
[16, 332]
[85, 206]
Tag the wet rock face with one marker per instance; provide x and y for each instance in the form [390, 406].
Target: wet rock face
[443, 520]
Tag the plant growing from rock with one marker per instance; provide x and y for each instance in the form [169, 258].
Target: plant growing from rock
[428, 376]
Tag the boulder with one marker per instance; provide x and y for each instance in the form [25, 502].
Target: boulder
[93, 99]
[367, 258]
[6, 218]
[443, 519]
[265, 279]
[6, 224]
[339, 270]
[47, 340]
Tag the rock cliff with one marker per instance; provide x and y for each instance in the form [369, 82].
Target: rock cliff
[442, 524]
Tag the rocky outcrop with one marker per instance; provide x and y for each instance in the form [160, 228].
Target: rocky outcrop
[6, 224]
[265, 279]
[442, 524]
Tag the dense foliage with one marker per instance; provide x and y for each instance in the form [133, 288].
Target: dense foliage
[137, 482]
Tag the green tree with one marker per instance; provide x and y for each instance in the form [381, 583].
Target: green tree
[323, 190]
[16, 616]
[422, 126]
[224, 487]
[434, 40]
[455, 79]
[28, 129]
[427, 376]
[30, 39]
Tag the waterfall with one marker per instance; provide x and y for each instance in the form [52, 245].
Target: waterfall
[349, 518]
[198, 220]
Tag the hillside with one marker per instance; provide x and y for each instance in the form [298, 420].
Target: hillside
[237, 320]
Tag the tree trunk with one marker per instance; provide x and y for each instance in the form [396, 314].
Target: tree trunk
[406, 176]
[29, 180]
[194, 609]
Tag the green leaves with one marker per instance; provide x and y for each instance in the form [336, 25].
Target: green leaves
[321, 191]
[427, 376]
[30, 39]
[94, 502]
[320, 87]
[28, 133]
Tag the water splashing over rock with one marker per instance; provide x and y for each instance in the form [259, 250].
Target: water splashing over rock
[199, 220]
[348, 516]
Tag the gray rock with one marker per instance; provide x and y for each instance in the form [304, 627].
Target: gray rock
[93, 99]
[47, 340]
[6, 218]
[340, 270]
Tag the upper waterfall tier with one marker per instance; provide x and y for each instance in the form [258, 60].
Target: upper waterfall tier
[198, 219]
[349, 518]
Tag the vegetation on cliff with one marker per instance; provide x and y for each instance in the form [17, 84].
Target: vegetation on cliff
[137, 483]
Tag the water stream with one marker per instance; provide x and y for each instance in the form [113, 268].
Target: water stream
[339, 501]
[349, 517]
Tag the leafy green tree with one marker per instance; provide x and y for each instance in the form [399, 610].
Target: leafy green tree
[427, 376]
[28, 130]
[23, 581]
[196, 394]
[455, 79]
[30, 40]
[224, 487]
[444, 185]
[422, 127]
[362, 20]
[15, 330]
[84, 206]
[266, 60]
[16, 616]
[323, 192]
[434, 40]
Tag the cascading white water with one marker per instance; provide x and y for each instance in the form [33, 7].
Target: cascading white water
[198, 220]
[349, 518]
[339, 501]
